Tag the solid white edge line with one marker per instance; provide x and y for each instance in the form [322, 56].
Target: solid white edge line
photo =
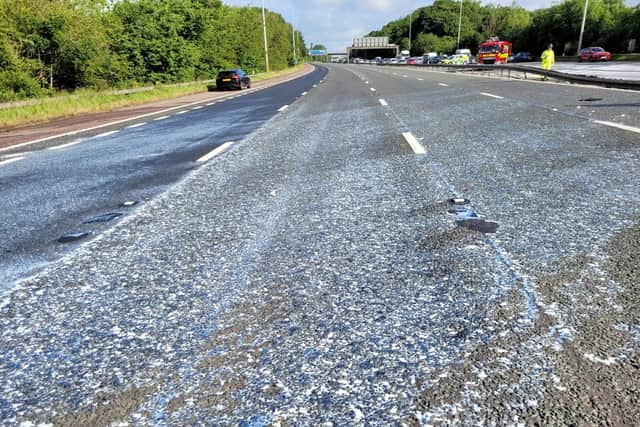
[284, 107]
[128, 119]
[383, 102]
[69, 144]
[137, 125]
[218, 150]
[413, 142]
[491, 95]
[101, 135]
[443, 84]
[6, 162]
[618, 125]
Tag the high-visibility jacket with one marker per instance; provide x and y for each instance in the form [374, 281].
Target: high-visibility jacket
[548, 59]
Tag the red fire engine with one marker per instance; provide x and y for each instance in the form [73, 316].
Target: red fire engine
[494, 51]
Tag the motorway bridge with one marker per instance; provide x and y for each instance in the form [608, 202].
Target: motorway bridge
[359, 245]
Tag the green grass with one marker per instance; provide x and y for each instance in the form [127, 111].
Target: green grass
[89, 101]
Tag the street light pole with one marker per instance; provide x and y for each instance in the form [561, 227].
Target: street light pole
[584, 19]
[410, 17]
[459, 25]
[264, 29]
[293, 37]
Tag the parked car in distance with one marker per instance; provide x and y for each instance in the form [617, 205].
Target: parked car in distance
[594, 54]
[411, 61]
[437, 59]
[232, 79]
[521, 57]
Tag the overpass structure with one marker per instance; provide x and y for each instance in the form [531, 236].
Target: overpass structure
[372, 47]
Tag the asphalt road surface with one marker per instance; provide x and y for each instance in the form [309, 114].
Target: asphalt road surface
[396, 247]
[58, 185]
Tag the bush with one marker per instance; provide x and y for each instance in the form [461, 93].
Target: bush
[18, 85]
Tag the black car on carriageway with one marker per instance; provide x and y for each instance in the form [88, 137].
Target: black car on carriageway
[232, 79]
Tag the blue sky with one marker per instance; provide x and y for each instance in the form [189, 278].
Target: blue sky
[335, 23]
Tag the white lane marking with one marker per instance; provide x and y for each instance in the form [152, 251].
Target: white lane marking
[443, 84]
[618, 125]
[101, 135]
[372, 89]
[137, 125]
[161, 118]
[217, 151]
[405, 76]
[10, 156]
[383, 102]
[284, 107]
[413, 142]
[304, 93]
[315, 85]
[6, 162]
[69, 144]
[197, 108]
[491, 95]
[420, 79]
[366, 82]
[182, 112]
[209, 104]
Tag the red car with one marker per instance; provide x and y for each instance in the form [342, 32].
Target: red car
[594, 54]
[411, 61]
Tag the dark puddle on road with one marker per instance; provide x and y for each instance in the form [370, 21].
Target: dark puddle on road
[73, 236]
[590, 99]
[103, 218]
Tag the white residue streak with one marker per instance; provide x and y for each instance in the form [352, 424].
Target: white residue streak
[593, 358]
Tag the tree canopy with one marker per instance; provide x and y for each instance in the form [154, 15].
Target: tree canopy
[47, 45]
[434, 28]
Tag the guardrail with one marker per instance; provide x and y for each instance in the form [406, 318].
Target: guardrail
[506, 70]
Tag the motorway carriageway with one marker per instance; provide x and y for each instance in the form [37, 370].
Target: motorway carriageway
[397, 246]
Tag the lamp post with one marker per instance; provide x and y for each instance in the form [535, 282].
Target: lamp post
[459, 25]
[584, 19]
[410, 18]
[293, 37]
[264, 30]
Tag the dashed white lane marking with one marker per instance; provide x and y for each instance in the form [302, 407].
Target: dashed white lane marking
[137, 125]
[405, 76]
[618, 125]
[315, 85]
[304, 93]
[161, 118]
[383, 102]
[372, 89]
[197, 108]
[420, 79]
[491, 95]
[182, 112]
[102, 135]
[69, 144]
[217, 151]
[6, 162]
[210, 104]
[413, 142]
[284, 107]
[443, 84]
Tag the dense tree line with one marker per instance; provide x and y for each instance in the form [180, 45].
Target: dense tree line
[46, 45]
[434, 28]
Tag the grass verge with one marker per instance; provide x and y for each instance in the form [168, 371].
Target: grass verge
[87, 101]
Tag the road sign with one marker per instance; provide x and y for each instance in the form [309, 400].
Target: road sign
[317, 52]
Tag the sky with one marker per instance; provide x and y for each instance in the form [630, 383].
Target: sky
[335, 23]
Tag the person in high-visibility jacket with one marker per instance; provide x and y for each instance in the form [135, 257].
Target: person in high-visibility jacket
[548, 59]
